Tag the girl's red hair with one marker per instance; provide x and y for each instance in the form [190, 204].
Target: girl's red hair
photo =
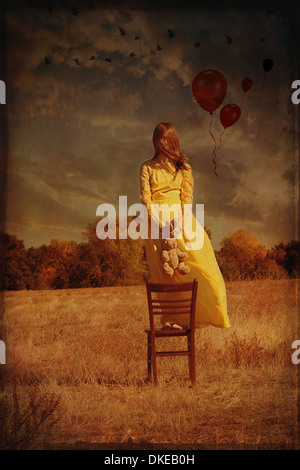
[166, 130]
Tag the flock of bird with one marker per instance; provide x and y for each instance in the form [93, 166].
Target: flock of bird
[132, 54]
[170, 33]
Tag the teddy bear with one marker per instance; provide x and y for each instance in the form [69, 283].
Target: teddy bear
[173, 258]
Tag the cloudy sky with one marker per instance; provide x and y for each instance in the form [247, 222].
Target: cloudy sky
[78, 134]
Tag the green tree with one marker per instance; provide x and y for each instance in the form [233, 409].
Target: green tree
[51, 265]
[118, 261]
[61, 257]
[241, 256]
[286, 255]
[14, 272]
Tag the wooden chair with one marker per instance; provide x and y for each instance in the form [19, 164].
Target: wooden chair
[170, 306]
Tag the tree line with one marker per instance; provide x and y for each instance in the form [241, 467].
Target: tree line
[98, 263]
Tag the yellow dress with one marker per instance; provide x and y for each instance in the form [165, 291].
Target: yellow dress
[161, 183]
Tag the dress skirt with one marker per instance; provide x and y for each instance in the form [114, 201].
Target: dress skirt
[211, 305]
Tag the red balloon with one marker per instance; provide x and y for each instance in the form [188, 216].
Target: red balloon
[247, 84]
[229, 114]
[209, 88]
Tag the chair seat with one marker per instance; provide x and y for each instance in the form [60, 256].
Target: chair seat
[169, 331]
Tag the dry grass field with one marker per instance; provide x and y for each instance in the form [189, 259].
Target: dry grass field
[76, 373]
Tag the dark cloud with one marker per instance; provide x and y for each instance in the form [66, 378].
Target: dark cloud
[78, 134]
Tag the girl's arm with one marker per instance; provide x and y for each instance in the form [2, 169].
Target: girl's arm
[187, 187]
[145, 195]
[145, 188]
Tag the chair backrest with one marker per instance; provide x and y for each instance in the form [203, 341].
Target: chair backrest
[169, 304]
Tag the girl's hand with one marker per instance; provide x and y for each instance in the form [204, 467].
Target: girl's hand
[172, 228]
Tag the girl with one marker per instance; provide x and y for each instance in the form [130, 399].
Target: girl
[167, 178]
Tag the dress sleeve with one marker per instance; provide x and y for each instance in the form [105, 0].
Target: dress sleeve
[146, 195]
[145, 188]
[187, 187]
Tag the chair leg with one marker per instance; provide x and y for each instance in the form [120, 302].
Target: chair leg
[189, 357]
[192, 352]
[153, 359]
[149, 357]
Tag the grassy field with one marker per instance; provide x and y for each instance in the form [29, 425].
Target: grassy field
[76, 373]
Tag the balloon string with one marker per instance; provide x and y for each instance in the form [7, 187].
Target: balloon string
[211, 132]
[220, 141]
[262, 87]
[214, 150]
[215, 163]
